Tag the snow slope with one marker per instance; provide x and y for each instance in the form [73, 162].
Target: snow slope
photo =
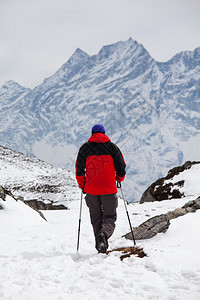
[191, 177]
[31, 178]
[38, 259]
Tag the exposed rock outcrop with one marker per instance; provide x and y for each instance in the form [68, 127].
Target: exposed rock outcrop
[40, 205]
[35, 204]
[161, 223]
[2, 193]
[163, 190]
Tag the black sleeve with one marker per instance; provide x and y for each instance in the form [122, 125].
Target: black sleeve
[119, 162]
[81, 161]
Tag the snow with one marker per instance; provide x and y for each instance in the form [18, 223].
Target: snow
[191, 179]
[28, 176]
[38, 259]
[14, 213]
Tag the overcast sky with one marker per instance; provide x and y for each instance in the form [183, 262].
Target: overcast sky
[38, 36]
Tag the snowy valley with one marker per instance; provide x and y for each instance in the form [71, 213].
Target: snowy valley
[150, 109]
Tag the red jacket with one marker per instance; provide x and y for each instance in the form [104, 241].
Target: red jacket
[99, 164]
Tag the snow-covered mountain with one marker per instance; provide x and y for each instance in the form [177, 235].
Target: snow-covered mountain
[150, 109]
[32, 179]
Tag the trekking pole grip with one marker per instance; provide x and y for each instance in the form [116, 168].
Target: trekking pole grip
[119, 185]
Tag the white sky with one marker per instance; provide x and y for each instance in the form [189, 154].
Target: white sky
[38, 36]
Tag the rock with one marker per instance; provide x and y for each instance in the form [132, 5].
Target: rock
[175, 171]
[188, 204]
[160, 190]
[40, 205]
[161, 223]
[35, 204]
[197, 204]
[2, 193]
[147, 196]
[190, 209]
[178, 212]
[150, 228]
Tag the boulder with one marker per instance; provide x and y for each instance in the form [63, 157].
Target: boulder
[162, 190]
[150, 228]
[158, 224]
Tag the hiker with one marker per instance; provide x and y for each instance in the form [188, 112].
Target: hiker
[99, 165]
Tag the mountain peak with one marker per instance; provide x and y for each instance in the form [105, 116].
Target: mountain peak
[12, 85]
[77, 56]
[130, 39]
[122, 49]
[119, 45]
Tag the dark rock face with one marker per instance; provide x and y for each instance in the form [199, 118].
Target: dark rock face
[2, 193]
[160, 190]
[161, 223]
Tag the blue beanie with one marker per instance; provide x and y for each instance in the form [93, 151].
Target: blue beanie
[98, 128]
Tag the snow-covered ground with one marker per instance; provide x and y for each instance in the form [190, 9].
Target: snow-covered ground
[32, 178]
[38, 259]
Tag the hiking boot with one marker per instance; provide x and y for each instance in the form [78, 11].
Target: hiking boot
[103, 243]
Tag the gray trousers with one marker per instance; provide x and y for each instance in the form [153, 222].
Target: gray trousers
[103, 213]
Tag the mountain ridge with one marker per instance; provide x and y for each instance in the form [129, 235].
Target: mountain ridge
[150, 109]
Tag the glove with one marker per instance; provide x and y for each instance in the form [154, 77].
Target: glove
[119, 185]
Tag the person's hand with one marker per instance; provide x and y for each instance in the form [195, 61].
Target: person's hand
[119, 185]
[83, 191]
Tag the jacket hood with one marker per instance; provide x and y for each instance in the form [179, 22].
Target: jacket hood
[99, 138]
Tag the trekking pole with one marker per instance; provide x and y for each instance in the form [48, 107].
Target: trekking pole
[120, 186]
[79, 224]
